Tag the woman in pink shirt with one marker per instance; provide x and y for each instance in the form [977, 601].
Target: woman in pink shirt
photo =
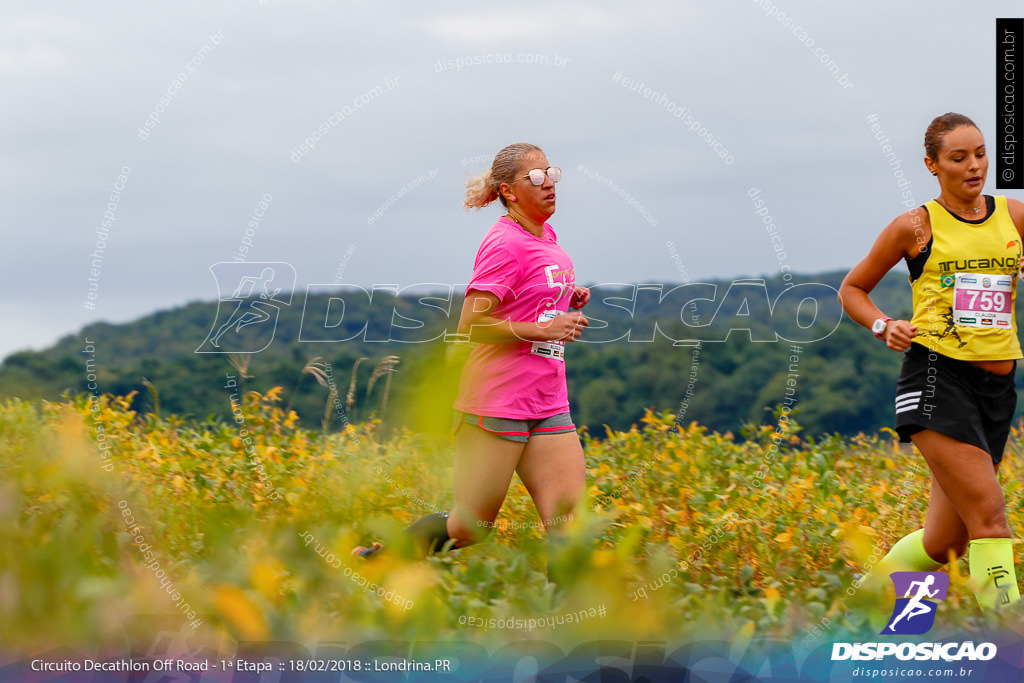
[513, 408]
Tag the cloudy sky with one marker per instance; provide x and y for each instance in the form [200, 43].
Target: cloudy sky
[204, 108]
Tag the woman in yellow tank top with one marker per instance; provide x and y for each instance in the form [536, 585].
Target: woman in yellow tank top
[955, 397]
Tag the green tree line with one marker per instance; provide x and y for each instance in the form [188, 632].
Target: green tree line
[720, 353]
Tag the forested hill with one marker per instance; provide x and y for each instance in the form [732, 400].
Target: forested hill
[639, 352]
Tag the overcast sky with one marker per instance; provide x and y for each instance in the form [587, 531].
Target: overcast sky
[414, 97]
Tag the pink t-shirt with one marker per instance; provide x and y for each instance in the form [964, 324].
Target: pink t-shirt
[533, 280]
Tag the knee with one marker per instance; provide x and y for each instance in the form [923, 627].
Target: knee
[566, 500]
[467, 532]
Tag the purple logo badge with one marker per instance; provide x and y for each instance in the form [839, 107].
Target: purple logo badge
[917, 596]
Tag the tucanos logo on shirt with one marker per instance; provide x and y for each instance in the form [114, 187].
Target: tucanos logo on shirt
[1010, 262]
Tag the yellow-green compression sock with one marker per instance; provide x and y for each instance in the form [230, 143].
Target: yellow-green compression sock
[908, 554]
[991, 561]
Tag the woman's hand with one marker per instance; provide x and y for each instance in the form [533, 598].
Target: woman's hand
[580, 297]
[478, 325]
[566, 327]
[898, 334]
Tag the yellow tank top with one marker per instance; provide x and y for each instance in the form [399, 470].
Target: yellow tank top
[966, 287]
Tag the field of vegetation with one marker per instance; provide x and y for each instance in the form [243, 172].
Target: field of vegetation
[241, 530]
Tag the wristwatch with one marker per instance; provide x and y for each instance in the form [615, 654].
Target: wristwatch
[879, 326]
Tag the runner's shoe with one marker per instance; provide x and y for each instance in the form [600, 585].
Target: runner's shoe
[366, 553]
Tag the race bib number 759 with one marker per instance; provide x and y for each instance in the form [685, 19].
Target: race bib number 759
[983, 300]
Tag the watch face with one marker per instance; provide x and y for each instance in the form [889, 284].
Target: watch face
[879, 326]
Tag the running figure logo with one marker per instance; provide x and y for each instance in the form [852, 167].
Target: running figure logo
[247, 317]
[914, 613]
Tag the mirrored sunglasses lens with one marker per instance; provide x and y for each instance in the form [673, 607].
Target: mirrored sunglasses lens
[537, 176]
[555, 174]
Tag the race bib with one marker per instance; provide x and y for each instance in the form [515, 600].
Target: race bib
[555, 350]
[983, 300]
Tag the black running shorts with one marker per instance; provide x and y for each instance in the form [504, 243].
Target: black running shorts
[955, 398]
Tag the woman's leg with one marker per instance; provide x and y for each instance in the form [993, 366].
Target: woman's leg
[927, 549]
[484, 464]
[550, 466]
[970, 485]
[944, 530]
[553, 471]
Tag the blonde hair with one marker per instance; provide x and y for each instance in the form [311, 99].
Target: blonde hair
[481, 190]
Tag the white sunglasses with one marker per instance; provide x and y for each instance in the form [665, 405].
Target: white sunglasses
[536, 176]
